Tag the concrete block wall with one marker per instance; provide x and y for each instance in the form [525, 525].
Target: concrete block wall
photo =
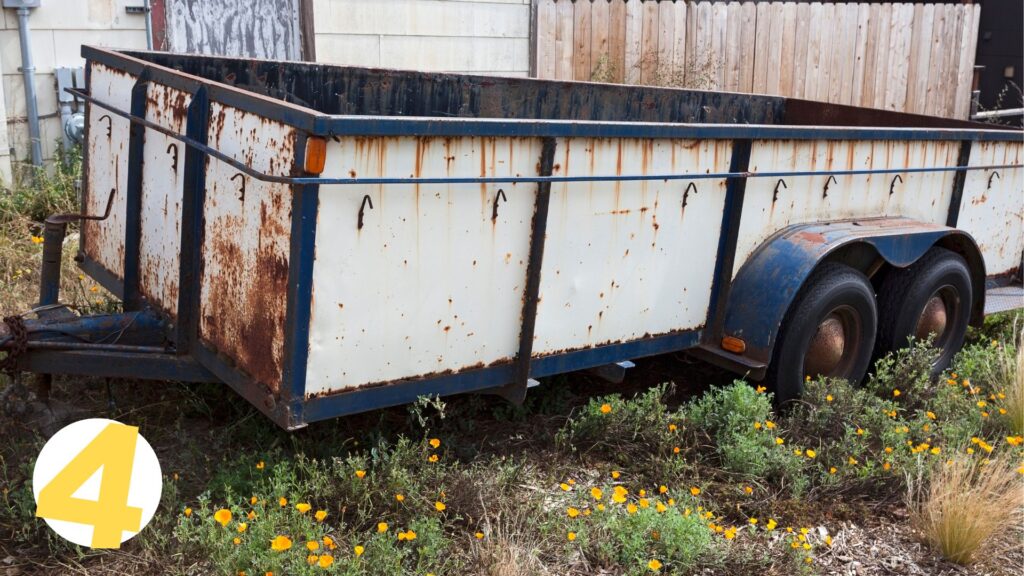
[59, 28]
[477, 36]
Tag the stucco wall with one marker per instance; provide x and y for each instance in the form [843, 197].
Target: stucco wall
[59, 28]
[490, 37]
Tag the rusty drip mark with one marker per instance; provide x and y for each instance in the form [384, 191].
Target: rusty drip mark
[892, 185]
[995, 173]
[494, 210]
[824, 192]
[362, 208]
[109, 124]
[172, 149]
[775, 192]
[241, 186]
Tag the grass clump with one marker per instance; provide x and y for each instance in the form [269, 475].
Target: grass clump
[967, 502]
[623, 426]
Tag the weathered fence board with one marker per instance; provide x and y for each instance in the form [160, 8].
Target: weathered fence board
[904, 57]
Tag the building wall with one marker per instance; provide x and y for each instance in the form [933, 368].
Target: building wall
[59, 28]
[478, 36]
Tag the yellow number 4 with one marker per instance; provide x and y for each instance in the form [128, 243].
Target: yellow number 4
[113, 449]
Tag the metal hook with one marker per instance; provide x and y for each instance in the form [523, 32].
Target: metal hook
[172, 149]
[892, 185]
[499, 196]
[686, 193]
[831, 178]
[775, 192]
[68, 218]
[994, 174]
[362, 207]
[241, 187]
[109, 123]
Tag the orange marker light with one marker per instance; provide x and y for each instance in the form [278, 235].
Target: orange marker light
[734, 345]
[316, 154]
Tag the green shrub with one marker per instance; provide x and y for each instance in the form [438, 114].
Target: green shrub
[738, 423]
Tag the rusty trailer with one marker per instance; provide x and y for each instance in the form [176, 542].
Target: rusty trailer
[328, 240]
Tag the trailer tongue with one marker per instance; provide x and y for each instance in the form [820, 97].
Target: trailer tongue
[329, 240]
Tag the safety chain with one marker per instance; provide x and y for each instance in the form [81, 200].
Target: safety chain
[19, 344]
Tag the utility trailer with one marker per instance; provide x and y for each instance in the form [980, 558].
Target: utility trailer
[328, 240]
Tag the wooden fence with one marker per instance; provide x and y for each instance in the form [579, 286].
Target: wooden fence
[903, 57]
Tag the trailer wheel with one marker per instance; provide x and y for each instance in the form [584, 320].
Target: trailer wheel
[829, 330]
[931, 296]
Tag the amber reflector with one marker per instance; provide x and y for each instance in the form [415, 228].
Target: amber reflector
[734, 345]
[316, 154]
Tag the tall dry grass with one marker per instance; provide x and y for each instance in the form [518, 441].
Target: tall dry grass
[966, 505]
[1013, 371]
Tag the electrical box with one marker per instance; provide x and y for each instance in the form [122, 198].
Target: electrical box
[21, 3]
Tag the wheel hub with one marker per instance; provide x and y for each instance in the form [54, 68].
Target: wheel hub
[933, 319]
[826, 347]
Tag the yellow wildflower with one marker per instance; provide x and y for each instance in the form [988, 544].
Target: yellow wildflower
[573, 512]
[439, 506]
[222, 516]
[326, 561]
[382, 527]
[360, 474]
[188, 512]
[435, 443]
[312, 545]
[479, 535]
[694, 491]
[320, 515]
[280, 543]
[242, 527]
[596, 493]
[282, 501]
[811, 453]
[571, 536]
[654, 565]
[303, 507]
[606, 408]
[359, 550]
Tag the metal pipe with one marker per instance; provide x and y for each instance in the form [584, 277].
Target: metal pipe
[149, 24]
[303, 180]
[998, 114]
[29, 71]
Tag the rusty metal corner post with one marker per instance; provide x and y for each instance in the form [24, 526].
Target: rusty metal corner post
[516, 391]
[132, 296]
[299, 305]
[197, 127]
[728, 236]
[963, 160]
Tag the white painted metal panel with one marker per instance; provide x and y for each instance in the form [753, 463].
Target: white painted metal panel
[923, 196]
[624, 260]
[431, 283]
[995, 215]
[107, 167]
[163, 172]
[246, 242]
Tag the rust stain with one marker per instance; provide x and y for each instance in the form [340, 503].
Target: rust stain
[245, 262]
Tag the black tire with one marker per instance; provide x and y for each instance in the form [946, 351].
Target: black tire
[835, 300]
[939, 280]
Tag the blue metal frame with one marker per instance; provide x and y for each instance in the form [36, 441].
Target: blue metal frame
[291, 408]
[132, 296]
[298, 310]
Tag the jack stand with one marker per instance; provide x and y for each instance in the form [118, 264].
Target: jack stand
[44, 383]
[111, 405]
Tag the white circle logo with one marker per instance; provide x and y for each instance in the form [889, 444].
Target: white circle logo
[97, 483]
